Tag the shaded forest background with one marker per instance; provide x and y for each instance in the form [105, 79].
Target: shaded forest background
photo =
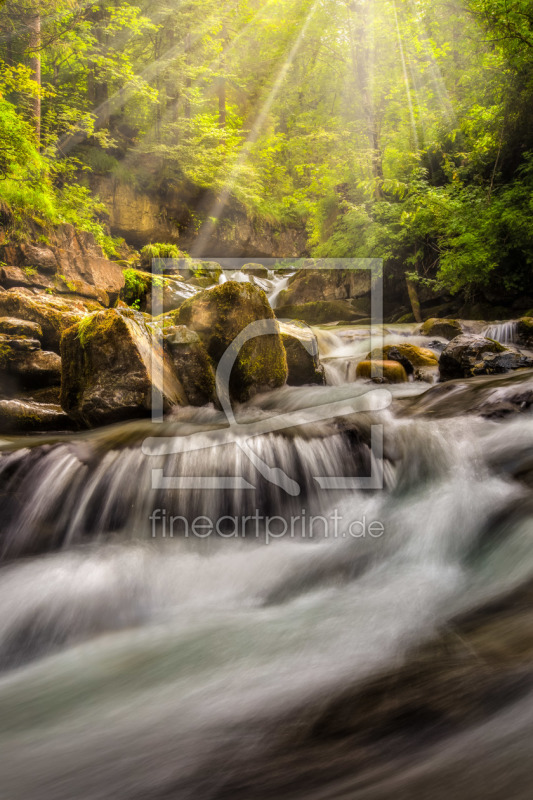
[400, 130]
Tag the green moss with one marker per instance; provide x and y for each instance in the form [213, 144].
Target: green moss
[69, 284]
[159, 250]
[137, 284]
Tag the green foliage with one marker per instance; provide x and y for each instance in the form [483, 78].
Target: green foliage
[159, 250]
[385, 129]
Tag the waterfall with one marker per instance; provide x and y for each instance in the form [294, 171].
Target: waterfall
[503, 332]
[280, 284]
[188, 666]
[176, 623]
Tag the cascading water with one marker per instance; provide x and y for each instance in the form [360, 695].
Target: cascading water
[503, 332]
[137, 665]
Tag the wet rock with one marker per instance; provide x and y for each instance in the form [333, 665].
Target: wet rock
[387, 371]
[53, 314]
[411, 357]
[23, 365]
[218, 315]
[257, 270]
[328, 284]
[110, 366]
[27, 416]
[469, 355]
[524, 331]
[321, 312]
[20, 327]
[192, 364]
[445, 328]
[491, 396]
[303, 360]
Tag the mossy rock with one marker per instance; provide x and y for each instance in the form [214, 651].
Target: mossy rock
[110, 365]
[524, 331]
[311, 285]
[23, 365]
[20, 327]
[444, 328]
[301, 347]
[218, 316]
[27, 416]
[257, 270]
[381, 371]
[208, 271]
[193, 366]
[409, 355]
[320, 312]
[53, 314]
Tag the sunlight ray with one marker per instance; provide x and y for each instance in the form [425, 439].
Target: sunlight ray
[218, 207]
[112, 104]
[406, 80]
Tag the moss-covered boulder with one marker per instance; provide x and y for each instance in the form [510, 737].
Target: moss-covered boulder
[524, 331]
[469, 355]
[192, 364]
[321, 312]
[28, 416]
[303, 361]
[155, 293]
[111, 364]
[381, 371]
[23, 365]
[53, 314]
[20, 327]
[444, 328]
[218, 315]
[411, 357]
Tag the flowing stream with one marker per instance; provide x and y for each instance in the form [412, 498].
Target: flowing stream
[143, 662]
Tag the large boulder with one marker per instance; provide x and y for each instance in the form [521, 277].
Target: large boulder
[53, 314]
[72, 263]
[23, 365]
[303, 360]
[192, 364]
[219, 315]
[320, 312]
[387, 371]
[28, 416]
[309, 285]
[524, 331]
[111, 364]
[469, 355]
[444, 328]
[412, 358]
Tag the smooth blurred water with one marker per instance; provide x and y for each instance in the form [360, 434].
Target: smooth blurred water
[142, 667]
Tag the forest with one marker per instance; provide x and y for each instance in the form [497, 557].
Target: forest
[400, 129]
[266, 399]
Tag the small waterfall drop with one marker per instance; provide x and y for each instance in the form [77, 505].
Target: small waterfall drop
[502, 332]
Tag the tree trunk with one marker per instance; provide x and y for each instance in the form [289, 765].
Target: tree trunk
[221, 102]
[361, 58]
[188, 82]
[221, 83]
[413, 298]
[35, 65]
